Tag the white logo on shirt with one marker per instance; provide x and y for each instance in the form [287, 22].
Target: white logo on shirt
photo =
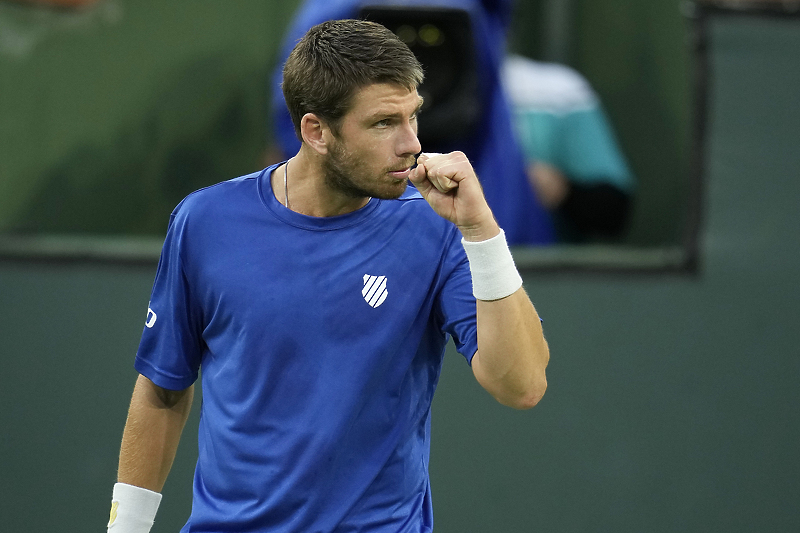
[374, 291]
[151, 318]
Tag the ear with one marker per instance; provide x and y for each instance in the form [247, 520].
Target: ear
[315, 133]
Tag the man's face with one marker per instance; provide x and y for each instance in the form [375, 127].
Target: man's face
[376, 145]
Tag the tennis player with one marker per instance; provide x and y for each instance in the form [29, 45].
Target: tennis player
[317, 296]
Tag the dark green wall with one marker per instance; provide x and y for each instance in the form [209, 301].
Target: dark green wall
[111, 115]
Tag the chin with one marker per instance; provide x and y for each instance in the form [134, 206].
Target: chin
[391, 193]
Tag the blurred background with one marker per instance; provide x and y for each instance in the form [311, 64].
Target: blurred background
[114, 111]
[673, 402]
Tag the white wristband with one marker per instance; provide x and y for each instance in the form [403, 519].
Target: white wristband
[133, 509]
[494, 274]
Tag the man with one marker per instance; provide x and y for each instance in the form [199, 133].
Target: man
[317, 296]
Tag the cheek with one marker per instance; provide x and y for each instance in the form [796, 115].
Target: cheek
[375, 155]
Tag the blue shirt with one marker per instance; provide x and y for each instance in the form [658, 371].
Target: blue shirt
[320, 342]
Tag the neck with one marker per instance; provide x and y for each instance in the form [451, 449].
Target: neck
[305, 190]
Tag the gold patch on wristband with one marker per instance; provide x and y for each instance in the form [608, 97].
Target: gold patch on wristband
[113, 514]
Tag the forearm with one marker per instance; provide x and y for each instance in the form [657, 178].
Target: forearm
[512, 352]
[155, 422]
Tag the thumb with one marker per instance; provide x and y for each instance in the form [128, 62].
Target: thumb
[419, 177]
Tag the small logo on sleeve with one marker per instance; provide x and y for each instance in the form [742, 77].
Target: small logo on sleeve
[151, 318]
[374, 291]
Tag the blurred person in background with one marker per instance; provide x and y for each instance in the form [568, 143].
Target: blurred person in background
[574, 162]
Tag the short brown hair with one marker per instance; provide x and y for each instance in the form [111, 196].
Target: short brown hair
[335, 59]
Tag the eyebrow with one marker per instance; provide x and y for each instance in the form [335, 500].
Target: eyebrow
[419, 105]
[383, 116]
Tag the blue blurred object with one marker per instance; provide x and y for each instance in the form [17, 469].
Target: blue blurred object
[480, 117]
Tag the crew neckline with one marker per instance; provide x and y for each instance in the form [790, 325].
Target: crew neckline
[308, 222]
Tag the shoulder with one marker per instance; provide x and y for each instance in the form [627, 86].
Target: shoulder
[414, 219]
[534, 84]
[223, 196]
[411, 193]
[412, 202]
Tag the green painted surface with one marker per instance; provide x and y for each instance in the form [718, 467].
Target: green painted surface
[111, 116]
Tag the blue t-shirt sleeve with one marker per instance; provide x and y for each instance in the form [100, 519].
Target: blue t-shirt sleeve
[457, 303]
[171, 345]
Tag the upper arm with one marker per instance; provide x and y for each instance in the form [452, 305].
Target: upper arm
[160, 397]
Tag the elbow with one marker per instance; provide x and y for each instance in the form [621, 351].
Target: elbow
[521, 387]
[530, 398]
[531, 393]
[523, 398]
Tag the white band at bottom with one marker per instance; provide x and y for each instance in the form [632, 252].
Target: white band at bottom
[494, 274]
[133, 509]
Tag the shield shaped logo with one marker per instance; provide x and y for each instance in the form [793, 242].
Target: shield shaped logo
[374, 291]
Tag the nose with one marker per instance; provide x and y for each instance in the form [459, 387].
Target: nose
[408, 143]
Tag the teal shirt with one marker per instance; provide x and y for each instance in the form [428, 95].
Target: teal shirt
[560, 121]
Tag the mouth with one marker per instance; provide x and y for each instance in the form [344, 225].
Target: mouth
[400, 174]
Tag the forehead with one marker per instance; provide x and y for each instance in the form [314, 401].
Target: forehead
[384, 99]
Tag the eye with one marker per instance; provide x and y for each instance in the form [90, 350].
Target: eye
[383, 123]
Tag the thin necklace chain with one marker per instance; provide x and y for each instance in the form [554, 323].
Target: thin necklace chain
[286, 184]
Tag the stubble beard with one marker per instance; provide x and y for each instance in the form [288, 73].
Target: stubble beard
[342, 172]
